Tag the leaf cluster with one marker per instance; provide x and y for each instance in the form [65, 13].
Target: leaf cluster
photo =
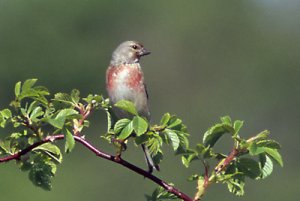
[34, 115]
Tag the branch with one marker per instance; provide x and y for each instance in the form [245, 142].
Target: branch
[104, 155]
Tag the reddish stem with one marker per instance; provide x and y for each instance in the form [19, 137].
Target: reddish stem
[234, 153]
[106, 156]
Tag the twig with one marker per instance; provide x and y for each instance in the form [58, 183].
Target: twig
[106, 156]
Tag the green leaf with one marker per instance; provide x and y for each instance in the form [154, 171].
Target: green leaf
[5, 146]
[161, 194]
[70, 141]
[157, 158]
[32, 106]
[193, 177]
[226, 120]
[236, 186]
[51, 150]
[41, 90]
[262, 135]
[188, 158]
[141, 139]
[205, 152]
[63, 97]
[174, 122]
[275, 155]
[213, 134]
[4, 116]
[37, 112]
[126, 131]
[120, 124]
[61, 117]
[6, 113]
[165, 119]
[41, 172]
[140, 125]
[266, 166]
[268, 143]
[75, 96]
[154, 144]
[17, 89]
[28, 84]
[183, 138]
[172, 136]
[266, 146]
[127, 106]
[237, 126]
[249, 167]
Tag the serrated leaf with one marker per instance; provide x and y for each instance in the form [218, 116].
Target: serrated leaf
[256, 149]
[213, 134]
[4, 116]
[205, 152]
[41, 172]
[17, 89]
[264, 146]
[172, 136]
[165, 119]
[154, 144]
[5, 146]
[28, 84]
[120, 124]
[160, 194]
[183, 138]
[51, 150]
[66, 112]
[140, 125]
[236, 187]
[187, 159]
[37, 112]
[6, 113]
[266, 166]
[226, 120]
[249, 167]
[41, 90]
[237, 126]
[127, 106]
[275, 155]
[268, 143]
[157, 158]
[32, 106]
[70, 142]
[63, 97]
[75, 96]
[126, 131]
[262, 135]
[174, 122]
[61, 117]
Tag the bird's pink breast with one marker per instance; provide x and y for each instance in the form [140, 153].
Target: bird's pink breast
[126, 75]
[126, 82]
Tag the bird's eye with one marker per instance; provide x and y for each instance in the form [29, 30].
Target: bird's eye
[134, 47]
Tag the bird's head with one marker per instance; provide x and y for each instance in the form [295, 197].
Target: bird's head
[128, 52]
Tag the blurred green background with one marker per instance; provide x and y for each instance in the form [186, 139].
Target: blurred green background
[209, 59]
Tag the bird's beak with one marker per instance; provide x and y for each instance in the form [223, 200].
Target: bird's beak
[144, 52]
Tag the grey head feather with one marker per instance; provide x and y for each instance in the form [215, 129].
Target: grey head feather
[128, 52]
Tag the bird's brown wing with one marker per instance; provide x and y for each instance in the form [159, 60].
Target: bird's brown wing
[146, 91]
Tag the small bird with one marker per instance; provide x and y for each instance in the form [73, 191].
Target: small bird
[125, 81]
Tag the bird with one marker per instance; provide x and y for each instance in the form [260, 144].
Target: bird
[125, 81]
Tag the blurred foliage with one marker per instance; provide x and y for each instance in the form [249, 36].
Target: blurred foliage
[209, 58]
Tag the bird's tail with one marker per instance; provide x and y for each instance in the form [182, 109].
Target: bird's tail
[149, 160]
